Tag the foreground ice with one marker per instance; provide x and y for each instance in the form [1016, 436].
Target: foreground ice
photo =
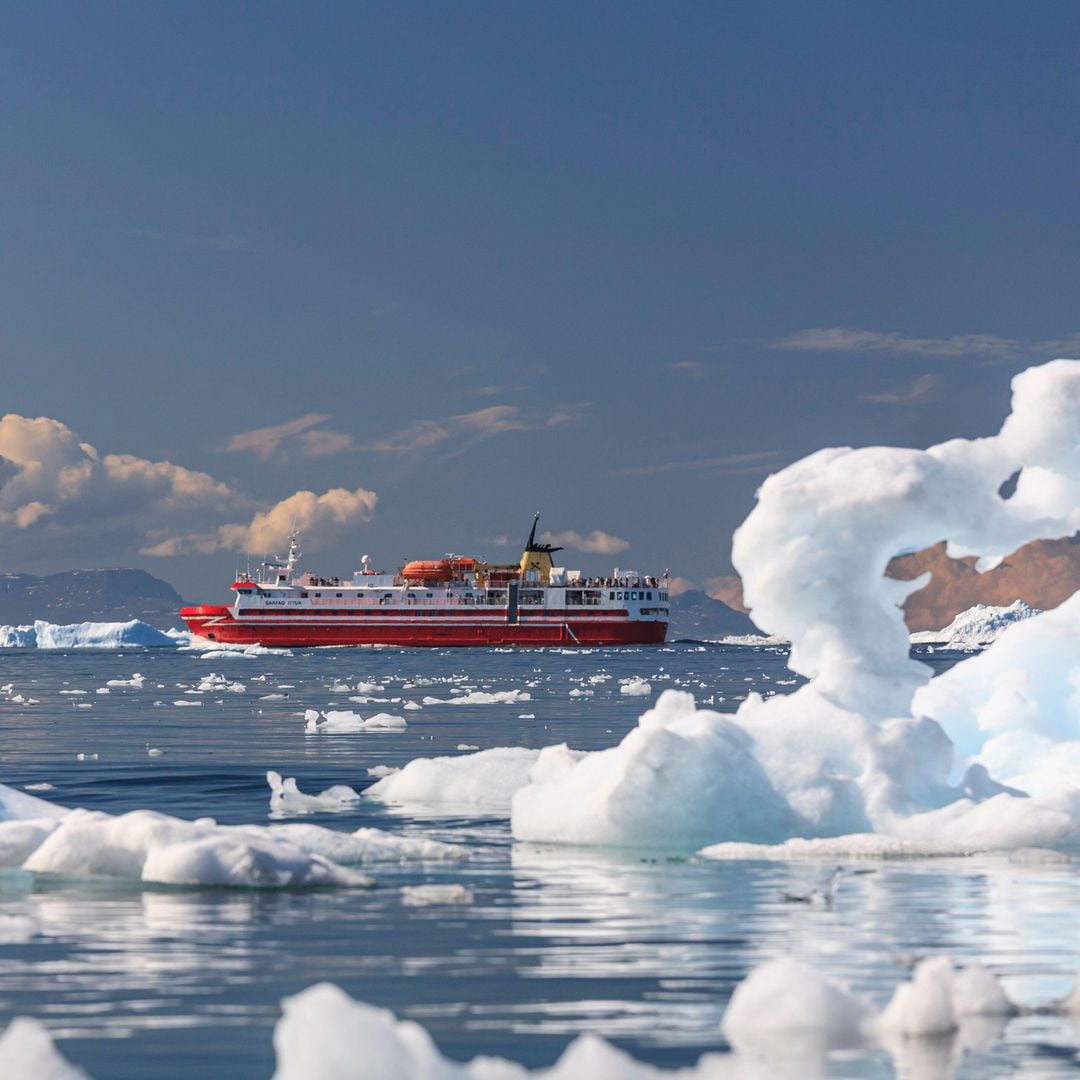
[87, 635]
[325, 1035]
[784, 1019]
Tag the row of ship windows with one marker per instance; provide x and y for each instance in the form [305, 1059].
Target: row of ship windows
[526, 598]
[412, 612]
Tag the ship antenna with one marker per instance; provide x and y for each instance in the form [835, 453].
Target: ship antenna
[294, 551]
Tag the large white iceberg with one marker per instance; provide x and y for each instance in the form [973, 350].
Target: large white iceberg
[846, 755]
[87, 635]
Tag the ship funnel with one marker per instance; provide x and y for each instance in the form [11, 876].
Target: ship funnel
[536, 556]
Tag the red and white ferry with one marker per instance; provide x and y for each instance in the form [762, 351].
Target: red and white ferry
[449, 601]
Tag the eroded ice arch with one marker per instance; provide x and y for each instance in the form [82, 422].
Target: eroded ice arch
[813, 553]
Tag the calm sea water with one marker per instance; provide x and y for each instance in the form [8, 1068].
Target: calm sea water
[138, 981]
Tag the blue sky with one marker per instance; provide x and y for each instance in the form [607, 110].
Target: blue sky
[615, 262]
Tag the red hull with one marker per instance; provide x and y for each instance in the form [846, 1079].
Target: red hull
[218, 624]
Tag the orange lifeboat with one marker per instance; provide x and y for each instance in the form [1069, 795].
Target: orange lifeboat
[428, 570]
[438, 569]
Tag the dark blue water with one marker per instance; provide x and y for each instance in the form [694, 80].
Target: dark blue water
[135, 981]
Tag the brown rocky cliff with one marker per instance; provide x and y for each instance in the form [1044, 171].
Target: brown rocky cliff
[1042, 574]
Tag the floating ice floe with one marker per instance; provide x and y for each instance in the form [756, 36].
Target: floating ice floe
[87, 635]
[482, 697]
[214, 683]
[134, 682]
[432, 895]
[976, 627]
[635, 687]
[143, 845]
[287, 798]
[342, 722]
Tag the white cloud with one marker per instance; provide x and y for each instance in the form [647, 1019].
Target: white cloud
[59, 491]
[596, 542]
[319, 518]
[50, 475]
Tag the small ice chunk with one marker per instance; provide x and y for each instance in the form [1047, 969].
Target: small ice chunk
[339, 722]
[379, 771]
[287, 798]
[428, 895]
[636, 687]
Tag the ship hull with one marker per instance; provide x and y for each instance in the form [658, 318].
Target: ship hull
[218, 623]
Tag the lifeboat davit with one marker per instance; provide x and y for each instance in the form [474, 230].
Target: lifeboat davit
[437, 569]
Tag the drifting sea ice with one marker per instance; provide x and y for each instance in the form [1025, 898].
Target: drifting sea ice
[343, 722]
[482, 697]
[435, 895]
[143, 845]
[635, 687]
[287, 798]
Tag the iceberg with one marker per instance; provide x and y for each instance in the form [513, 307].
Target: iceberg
[976, 627]
[869, 745]
[87, 635]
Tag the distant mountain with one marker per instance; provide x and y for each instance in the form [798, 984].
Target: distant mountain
[88, 596]
[695, 615]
